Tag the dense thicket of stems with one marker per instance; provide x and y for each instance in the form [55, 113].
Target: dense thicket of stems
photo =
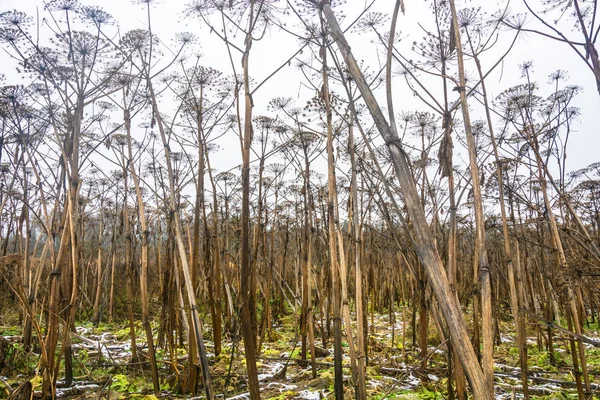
[123, 200]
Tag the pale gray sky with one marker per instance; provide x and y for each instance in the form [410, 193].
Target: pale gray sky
[276, 47]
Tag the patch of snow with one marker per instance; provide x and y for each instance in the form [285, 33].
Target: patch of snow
[76, 390]
[82, 330]
[506, 339]
[282, 386]
[411, 382]
[108, 336]
[374, 383]
[243, 396]
[277, 367]
[310, 395]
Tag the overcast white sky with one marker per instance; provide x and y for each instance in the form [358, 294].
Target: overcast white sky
[268, 54]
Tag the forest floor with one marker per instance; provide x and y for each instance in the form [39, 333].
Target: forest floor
[103, 367]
